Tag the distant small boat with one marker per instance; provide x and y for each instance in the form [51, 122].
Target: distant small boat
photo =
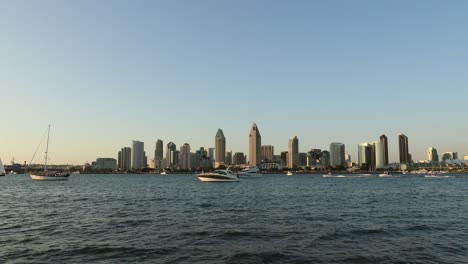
[2, 168]
[218, 176]
[49, 175]
[163, 173]
[385, 174]
[12, 172]
[250, 172]
[290, 173]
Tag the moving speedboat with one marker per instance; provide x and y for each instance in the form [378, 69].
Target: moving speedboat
[218, 176]
[250, 172]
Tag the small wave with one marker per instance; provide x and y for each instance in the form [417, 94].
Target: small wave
[369, 232]
[365, 259]
[195, 234]
[234, 234]
[206, 205]
[105, 252]
[352, 233]
[263, 257]
[134, 222]
[423, 228]
[16, 226]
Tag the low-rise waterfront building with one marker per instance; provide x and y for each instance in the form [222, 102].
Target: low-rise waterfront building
[104, 164]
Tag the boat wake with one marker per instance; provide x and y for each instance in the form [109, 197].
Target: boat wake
[439, 176]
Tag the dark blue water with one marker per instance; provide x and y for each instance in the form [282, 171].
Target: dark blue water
[275, 219]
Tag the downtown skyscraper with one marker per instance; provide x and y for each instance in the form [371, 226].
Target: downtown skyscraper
[293, 153]
[371, 155]
[337, 154]
[268, 151]
[171, 155]
[158, 154]
[185, 157]
[384, 141]
[432, 155]
[220, 149]
[255, 145]
[125, 159]
[138, 155]
[404, 152]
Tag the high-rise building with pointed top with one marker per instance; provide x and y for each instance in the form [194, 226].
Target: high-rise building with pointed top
[255, 146]
[404, 152]
[384, 140]
[293, 153]
[220, 148]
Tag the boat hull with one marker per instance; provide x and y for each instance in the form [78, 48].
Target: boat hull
[210, 179]
[48, 178]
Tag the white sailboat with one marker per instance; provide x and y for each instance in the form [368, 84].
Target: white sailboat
[2, 168]
[47, 175]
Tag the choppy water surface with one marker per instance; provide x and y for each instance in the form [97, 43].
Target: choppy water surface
[275, 219]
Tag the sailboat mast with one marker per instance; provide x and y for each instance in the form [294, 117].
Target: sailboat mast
[47, 149]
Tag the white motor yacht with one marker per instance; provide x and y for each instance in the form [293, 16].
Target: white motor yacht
[250, 172]
[218, 176]
[290, 173]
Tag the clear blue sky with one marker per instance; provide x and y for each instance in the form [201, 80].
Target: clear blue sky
[104, 73]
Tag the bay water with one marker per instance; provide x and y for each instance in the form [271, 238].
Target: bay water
[152, 218]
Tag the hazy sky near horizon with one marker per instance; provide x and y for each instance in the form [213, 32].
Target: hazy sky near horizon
[104, 73]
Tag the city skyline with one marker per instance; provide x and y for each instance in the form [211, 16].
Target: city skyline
[322, 71]
[354, 152]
